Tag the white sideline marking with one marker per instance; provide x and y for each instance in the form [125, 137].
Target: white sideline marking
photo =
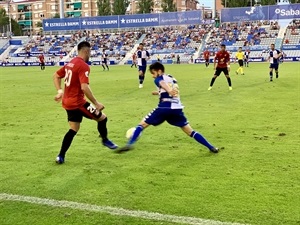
[113, 210]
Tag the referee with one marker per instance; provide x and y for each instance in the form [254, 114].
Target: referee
[240, 57]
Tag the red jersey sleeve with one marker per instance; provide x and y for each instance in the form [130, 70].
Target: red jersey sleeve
[83, 73]
[227, 57]
[61, 72]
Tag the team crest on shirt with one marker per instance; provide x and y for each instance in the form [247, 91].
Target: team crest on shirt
[87, 73]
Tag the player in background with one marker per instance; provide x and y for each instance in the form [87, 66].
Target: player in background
[104, 60]
[221, 64]
[169, 109]
[42, 61]
[101, 62]
[239, 56]
[133, 60]
[142, 57]
[274, 57]
[206, 55]
[76, 80]
[246, 59]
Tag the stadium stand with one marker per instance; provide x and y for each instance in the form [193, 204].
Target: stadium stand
[115, 45]
[291, 42]
[246, 34]
[169, 43]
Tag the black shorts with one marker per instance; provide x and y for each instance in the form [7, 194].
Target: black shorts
[42, 63]
[241, 62]
[220, 70]
[207, 60]
[87, 110]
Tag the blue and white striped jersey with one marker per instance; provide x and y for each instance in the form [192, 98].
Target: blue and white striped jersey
[165, 100]
[273, 54]
[142, 56]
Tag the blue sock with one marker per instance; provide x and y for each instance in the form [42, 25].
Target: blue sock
[136, 134]
[271, 74]
[198, 137]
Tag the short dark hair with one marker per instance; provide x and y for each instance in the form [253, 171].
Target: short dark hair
[157, 66]
[83, 44]
[223, 45]
[141, 44]
[273, 44]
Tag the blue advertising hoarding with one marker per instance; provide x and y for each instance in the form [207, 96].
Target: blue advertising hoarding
[178, 18]
[277, 12]
[291, 47]
[244, 14]
[62, 24]
[139, 20]
[273, 12]
[99, 22]
[124, 21]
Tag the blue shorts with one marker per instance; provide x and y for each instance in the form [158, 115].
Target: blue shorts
[143, 69]
[274, 66]
[174, 117]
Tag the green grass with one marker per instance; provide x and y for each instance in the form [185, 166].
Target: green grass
[255, 179]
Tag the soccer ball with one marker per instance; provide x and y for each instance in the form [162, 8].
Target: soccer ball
[130, 132]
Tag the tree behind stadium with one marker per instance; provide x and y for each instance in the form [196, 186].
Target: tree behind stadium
[120, 6]
[104, 8]
[4, 22]
[145, 6]
[168, 6]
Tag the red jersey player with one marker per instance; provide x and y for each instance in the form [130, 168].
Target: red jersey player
[42, 61]
[206, 55]
[221, 64]
[133, 60]
[76, 79]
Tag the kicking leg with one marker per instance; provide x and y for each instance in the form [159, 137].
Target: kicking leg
[102, 129]
[136, 134]
[199, 138]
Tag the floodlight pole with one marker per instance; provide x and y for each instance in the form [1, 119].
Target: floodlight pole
[9, 17]
[61, 9]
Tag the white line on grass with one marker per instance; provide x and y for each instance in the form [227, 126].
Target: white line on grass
[113, 210]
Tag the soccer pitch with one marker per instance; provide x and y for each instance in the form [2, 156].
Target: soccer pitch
[255, 179]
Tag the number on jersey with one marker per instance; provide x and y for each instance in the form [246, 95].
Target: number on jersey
[68, 77]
